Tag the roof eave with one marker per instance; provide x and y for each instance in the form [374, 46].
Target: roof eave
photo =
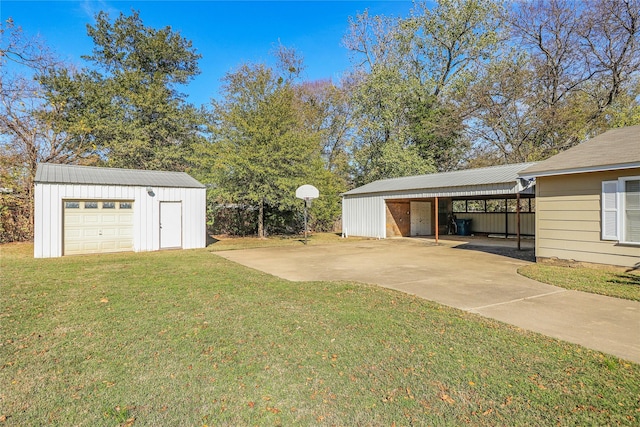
[506, 188]
[204, 187]
[600, 168]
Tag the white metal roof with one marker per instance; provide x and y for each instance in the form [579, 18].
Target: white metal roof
[505, 176]
[73, 174]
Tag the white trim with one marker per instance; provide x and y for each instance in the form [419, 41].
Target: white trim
[609, 210]
[586, 169]
[622, 208]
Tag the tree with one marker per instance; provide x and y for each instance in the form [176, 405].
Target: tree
[383, 148]
[411, 74]
[505, 111]
[442, 46]
[127, 106]
[261, 149]
[327, 110]
[28, 135]
[566, 71]
[578, 63]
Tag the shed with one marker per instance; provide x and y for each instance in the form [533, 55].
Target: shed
[83, 210]
[422, 205]
[588, 201]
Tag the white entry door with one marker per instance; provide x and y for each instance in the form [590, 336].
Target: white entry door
[170, 225]
[420, 218]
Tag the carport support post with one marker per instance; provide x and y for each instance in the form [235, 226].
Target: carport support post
[518, 218]
[437, 218]
[506, 219]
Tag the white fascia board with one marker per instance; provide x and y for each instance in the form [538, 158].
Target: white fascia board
[602, 168]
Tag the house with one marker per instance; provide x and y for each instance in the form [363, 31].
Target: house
[588, 201]
[495, 199]
[84, 210]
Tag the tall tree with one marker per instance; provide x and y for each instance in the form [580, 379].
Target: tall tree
[610, 40]
[327, 110]
[579, 59]
[26, 136]
[261, 149]
[127, 104]
[383, 147]
[505, 121]
[411, 74]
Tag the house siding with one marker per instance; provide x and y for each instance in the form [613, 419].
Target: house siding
[48, 230]
[568, 222]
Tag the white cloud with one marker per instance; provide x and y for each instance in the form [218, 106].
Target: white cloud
[92, 7]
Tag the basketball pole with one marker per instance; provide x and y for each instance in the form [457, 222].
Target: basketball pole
[306, 202]
[307, 193]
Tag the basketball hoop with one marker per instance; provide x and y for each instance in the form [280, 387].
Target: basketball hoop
[307, 193]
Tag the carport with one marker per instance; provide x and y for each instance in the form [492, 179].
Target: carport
[494, 199]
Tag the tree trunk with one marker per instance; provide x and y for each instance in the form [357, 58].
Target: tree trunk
[261, 220]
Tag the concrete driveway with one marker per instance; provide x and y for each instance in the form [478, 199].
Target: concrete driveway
[457, 274]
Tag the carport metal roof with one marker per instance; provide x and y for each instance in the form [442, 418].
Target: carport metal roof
[73, 174]
[489, 181]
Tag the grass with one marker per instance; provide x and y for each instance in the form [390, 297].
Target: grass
[611, 281]
[235, 243]
[186, 338]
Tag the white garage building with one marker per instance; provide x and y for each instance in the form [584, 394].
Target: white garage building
[494, 199]
[83, 210]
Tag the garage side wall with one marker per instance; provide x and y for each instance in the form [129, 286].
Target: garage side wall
[364, 216]
[194, 218]
[568, 225]
[48, 230]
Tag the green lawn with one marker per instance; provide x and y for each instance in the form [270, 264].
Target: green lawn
[188, 338]
[616, 282]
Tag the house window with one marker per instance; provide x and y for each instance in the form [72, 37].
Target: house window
[91, 205]
[631, 207]
[108, 205]
[125, 205]
[621, 210]
[72, 205]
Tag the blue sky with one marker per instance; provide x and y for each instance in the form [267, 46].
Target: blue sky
[225, 33]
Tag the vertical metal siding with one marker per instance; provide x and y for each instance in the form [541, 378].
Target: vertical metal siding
[48, 214]
[194, 228]
[38, 226]
[364, 216]
[493, 223]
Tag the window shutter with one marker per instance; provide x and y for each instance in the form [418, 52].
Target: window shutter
[610, 210]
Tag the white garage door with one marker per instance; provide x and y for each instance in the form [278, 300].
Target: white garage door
[97, 226]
